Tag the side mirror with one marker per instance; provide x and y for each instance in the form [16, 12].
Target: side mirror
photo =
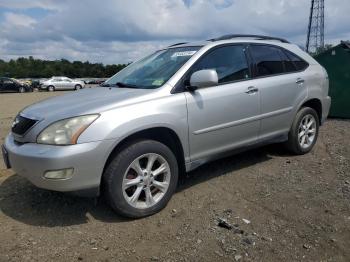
[204, 78]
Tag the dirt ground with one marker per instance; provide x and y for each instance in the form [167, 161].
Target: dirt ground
[295, 208]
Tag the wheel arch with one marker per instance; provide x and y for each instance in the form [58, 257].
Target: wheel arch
[315, 104]
[163, 135]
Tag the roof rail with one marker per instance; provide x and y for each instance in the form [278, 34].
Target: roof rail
[258, 37]
[177, 44]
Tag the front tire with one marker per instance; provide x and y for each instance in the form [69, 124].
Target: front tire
[77, 87]
[304, 132]
[50, 88]
[141, 179]
[21, 89]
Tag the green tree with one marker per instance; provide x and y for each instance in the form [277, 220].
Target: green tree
[37, 68]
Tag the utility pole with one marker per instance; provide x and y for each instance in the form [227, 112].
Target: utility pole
[315, 31]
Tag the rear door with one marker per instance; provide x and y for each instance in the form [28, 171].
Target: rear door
[223, 117]
[281, 88]
[67, 83]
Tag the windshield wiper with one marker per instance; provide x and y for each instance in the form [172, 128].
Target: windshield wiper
[106, 85]
[120, 84]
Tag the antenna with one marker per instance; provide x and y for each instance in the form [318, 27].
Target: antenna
[315, 31]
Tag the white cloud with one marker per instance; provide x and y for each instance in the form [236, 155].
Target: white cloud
[18, 20]
[24, 4]
[121, 31]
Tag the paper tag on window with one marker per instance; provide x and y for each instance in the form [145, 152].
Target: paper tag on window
[158, 82]
[185, 53]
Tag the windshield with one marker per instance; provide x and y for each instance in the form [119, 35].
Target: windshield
[154, 70]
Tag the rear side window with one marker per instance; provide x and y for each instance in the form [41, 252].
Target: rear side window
[229, 62]
[289, 65]
[267, 59]
[297, 61]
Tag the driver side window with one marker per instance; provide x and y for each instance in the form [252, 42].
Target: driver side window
[229, 62]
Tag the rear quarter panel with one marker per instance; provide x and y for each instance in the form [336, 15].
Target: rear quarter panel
[317, 82]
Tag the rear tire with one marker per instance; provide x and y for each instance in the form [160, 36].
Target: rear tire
[21, 89]
[151, 168]
[304, 131]
[50, 88]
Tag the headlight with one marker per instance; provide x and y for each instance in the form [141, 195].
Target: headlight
[66, 131]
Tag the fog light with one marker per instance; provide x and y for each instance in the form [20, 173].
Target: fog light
[59, 174]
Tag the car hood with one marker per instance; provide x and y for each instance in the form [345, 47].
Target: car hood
[86, 101]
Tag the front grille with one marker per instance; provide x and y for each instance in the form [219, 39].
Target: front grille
[22, 124]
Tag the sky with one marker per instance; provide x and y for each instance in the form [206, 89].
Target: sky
[116, 31]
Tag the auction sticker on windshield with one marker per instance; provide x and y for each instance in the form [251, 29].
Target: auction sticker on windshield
[158, 82]
[184, 53]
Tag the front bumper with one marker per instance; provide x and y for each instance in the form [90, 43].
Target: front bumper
[32, 160]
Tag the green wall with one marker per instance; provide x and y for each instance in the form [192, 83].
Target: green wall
[337, 63]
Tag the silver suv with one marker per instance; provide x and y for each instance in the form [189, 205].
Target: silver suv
[169, 113]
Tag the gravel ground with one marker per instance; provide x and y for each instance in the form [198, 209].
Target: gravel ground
[271, 206]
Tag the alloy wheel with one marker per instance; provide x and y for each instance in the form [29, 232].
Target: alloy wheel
[307, 131]
[146, 181]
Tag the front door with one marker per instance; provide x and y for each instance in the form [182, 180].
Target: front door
[225, 116]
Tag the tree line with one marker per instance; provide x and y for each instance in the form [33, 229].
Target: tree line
[37, 68]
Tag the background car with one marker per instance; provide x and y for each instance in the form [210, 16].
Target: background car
[12, 85]
[62, 83]
[35, 84]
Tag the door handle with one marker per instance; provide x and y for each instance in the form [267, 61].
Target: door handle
[252, 90]
[300, 81]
